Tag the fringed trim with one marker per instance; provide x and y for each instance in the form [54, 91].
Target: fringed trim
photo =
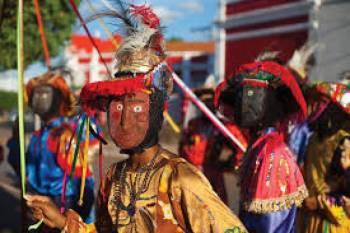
[277, 204]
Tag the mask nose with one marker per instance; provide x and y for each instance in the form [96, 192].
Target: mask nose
[125, 120]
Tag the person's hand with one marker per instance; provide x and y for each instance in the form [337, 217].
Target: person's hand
[44, 208]
[310, 203]
[346, 205]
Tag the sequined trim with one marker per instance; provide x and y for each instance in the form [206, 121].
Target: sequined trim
[276, 204]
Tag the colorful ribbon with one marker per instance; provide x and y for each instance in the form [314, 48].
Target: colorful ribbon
[42, 33]
[171, 122]
[77, 147]
[85, 162]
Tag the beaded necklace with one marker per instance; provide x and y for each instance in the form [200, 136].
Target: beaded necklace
[135, 188]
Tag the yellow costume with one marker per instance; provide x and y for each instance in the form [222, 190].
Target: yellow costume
[177, 198]
[328, 218]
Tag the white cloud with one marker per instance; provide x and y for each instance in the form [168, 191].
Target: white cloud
[165, 14]
[8, 80]
[193, 6]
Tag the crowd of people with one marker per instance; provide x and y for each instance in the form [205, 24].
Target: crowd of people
[293, 177]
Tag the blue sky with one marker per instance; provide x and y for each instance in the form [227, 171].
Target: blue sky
[179, 17]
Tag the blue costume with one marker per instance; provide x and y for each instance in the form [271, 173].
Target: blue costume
[45, 173]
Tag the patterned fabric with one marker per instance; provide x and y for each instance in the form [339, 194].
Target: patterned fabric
[47, 164]
[271, 180]
[45, 159]
[178, 199]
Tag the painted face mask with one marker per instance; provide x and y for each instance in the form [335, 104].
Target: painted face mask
[141, 83]
[128, 119]
[250, 106]
[44, 99]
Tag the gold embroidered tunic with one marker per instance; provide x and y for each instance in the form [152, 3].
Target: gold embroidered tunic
[178, 198]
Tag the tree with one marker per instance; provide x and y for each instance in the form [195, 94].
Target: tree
[8, 100]
[58, 19]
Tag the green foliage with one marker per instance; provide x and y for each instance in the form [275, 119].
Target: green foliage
[8, 100]
[175, 39]
[58, 19]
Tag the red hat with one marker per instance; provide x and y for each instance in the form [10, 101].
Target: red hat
[264, 74]
[139, 64]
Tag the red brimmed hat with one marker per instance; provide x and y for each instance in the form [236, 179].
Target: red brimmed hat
[139, 64]
[264, 74]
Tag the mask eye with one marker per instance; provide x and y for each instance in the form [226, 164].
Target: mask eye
[119, 107]
[250, 93]
[138, 108]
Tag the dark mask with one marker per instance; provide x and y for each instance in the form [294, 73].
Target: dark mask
[252, 107]
[45, 101]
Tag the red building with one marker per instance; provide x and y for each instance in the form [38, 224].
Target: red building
[193, 61]
[249, 27]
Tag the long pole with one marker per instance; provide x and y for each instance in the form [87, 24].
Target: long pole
[20, 93]
[219, 125]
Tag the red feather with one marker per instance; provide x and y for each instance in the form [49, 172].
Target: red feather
[146, 14]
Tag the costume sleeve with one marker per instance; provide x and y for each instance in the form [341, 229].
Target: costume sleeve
[75, 224]
[316, 169]
[202, 209]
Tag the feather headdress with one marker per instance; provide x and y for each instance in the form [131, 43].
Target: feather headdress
[268, 56]
[300, 58]
[139, 61]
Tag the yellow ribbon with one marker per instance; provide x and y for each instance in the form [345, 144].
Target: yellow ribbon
[85, 162]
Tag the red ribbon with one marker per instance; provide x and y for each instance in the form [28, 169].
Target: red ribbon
[76, 11]
[42, 33]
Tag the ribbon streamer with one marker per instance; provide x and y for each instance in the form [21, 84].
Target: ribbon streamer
[85, 162]
[36, 225]
[20, 57]
[76, 11]
[77, 147]
[100, 166]
[171, 122]
[42, 33]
